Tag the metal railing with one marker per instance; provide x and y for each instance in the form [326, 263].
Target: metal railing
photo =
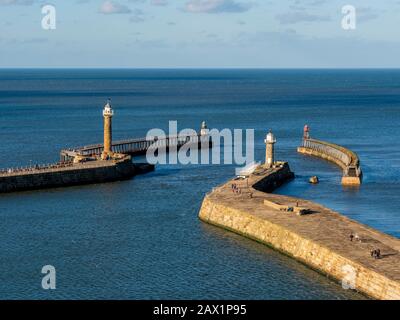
[133, 146]
[34, 169]
[349, 160]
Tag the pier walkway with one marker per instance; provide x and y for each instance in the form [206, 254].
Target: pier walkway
[320, 239]
[341, 156]
[34, 169]
[137, 146]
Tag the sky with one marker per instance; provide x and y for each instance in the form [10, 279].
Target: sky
[200, 34]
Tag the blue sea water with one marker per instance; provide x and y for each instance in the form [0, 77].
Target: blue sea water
[141, 239]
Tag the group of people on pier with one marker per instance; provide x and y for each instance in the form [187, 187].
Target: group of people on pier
[236, 189]
[375, 253]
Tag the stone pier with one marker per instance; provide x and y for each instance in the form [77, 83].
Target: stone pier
[344, 158]
[308, 232]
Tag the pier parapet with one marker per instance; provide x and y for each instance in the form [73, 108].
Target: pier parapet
[344, 158]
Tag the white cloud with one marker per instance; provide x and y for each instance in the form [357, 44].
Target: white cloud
[299, 16]
[16, 2]
[366, 14]
[159, 2]
[216, 6]
[112, 7]
[137, 16]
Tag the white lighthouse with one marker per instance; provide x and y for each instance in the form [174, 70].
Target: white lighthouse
[204, 129]
[269, 150]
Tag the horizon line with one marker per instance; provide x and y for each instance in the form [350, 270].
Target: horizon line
[201, 68]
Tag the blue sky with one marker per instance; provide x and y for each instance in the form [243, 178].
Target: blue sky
[200, 33]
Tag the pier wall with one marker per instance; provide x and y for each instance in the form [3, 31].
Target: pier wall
[274, 179]
[304, 250]
[344, 158]
[319, 240]
[80, 174]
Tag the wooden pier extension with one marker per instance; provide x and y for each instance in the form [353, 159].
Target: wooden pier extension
[345, 158]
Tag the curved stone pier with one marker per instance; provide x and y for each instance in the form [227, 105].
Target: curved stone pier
[306, 231]
[344, 158]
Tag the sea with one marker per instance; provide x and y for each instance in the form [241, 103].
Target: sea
[142, 239]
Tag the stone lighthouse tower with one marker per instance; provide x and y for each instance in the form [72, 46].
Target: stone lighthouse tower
[269, 150]
[108, 113]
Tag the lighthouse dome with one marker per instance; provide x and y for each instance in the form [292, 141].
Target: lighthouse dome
[108, 111]
[270, 137]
